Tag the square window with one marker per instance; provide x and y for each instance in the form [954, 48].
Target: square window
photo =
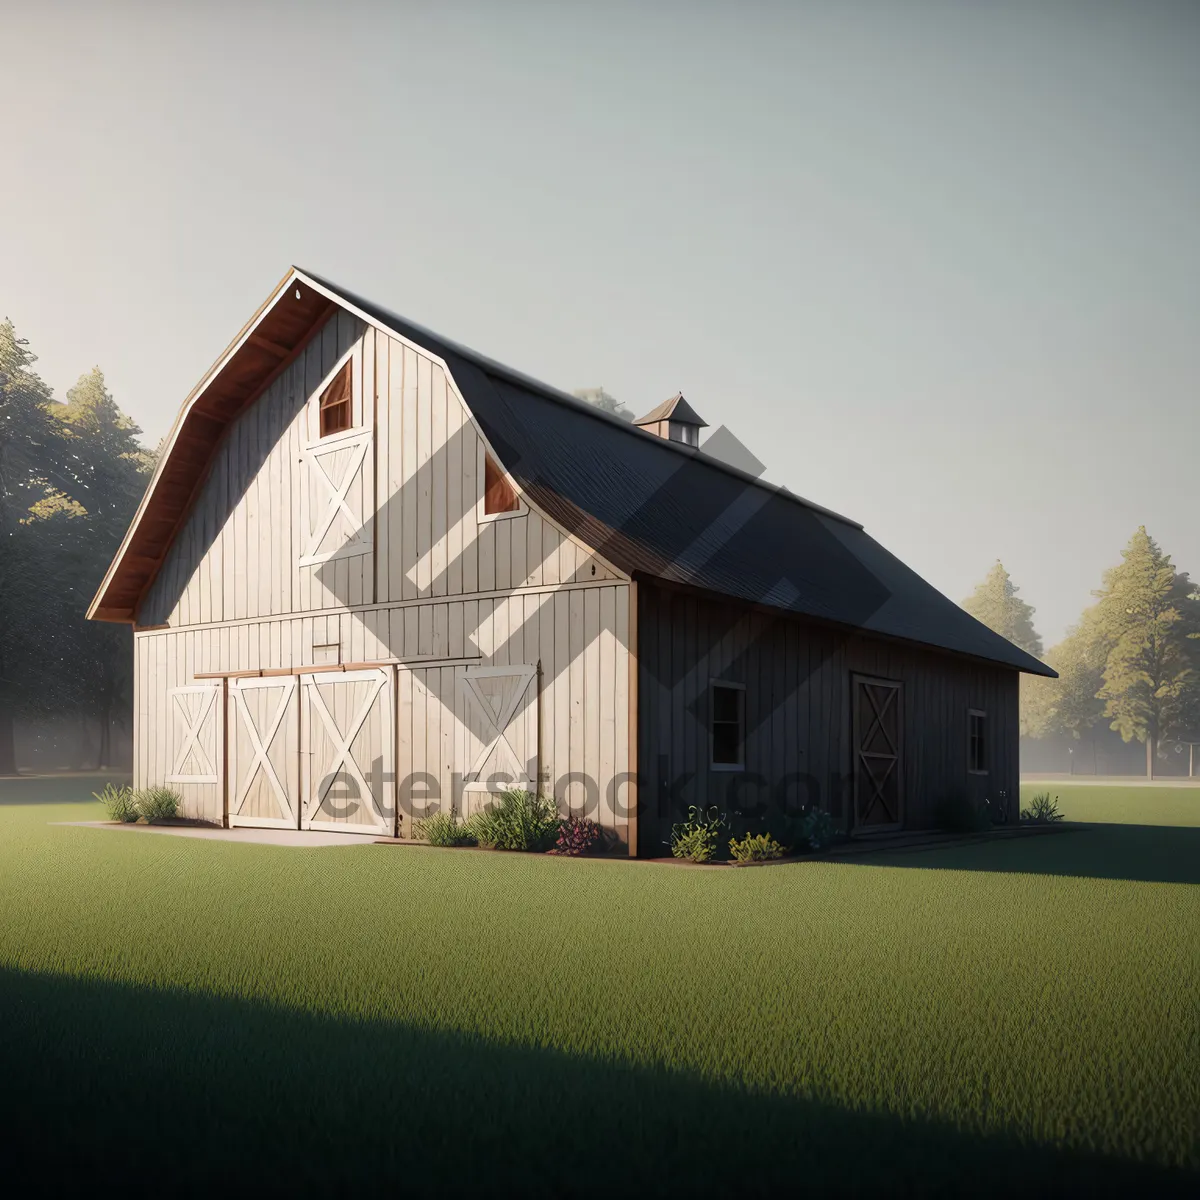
[728, 708]
[977, 742]
[335, 403]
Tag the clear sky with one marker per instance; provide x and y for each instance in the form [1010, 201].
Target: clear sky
[936, 264]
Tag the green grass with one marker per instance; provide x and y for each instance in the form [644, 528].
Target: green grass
[1129, 804]
[421, 1019]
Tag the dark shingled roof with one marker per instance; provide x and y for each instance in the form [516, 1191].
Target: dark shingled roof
[675, 409]
[669, 511]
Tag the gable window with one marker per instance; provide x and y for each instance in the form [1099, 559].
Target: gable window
[335, 404]
[727, 706]
[498, 493]
[977, 742]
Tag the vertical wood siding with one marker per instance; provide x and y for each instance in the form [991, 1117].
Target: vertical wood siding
[580, 636]
[798, 679]
[416, 493]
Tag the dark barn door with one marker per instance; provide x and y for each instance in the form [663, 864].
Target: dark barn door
[876, 732]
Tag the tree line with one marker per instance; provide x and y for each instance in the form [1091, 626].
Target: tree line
[1131, 663]
[71, 475]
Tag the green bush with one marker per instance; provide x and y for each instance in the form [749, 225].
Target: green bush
[156, 804]
[518, 820]
[696, 838]
[118, 803]
[817, 828]
[755, 847]
[1042, 810]
[444, 829]
[957, 813]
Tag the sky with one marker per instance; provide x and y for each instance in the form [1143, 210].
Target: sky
[936, 264]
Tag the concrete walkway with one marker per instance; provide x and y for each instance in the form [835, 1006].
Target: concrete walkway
[256, 837]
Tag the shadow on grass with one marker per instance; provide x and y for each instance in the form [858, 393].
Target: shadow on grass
[181, 1091]
[1143, 853]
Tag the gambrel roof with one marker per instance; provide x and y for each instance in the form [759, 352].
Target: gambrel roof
[649, 506]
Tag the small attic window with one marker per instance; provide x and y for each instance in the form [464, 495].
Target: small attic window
[335, 404]
[498, 494]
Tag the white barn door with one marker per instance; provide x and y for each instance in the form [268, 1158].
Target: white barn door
[500, 715]
[264, 759]
[197, 749]
[348, 763]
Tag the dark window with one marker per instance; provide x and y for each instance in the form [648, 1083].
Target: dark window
[977, 742]
[728, 725]
[498, 494]
[335, 404]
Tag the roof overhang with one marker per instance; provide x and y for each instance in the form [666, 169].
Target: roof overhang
[263, 349]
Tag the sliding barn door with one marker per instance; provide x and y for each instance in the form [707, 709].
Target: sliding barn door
[264, 753]
[877, 732]
[347, 764]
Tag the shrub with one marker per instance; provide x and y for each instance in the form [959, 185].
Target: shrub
[156, 804]
[519, 820]
[579, 835]
[1042, 810]
[444, 829]
[755, 847]
[118, 803]
[956, 813]
[696, 838]
[817, 828]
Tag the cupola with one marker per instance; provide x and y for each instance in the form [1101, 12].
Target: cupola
[674, 419]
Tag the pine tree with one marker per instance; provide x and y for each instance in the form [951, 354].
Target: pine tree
[1069, 705]
[37, 479]
[1147, 616]
[113, 468]
[995, 602]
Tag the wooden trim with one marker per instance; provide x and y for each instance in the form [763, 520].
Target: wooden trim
[541, 589]
[97, 610]
[225, 753]
[634, 732]
[265, 343]
[340, 668]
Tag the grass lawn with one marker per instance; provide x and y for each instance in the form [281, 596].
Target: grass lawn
[986, 1018]
[1122, 804]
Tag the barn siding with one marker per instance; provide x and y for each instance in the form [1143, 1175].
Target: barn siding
[798, 679]
[236, 555]
[579, 633]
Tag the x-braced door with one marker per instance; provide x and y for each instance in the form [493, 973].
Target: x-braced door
[264, 758]
[348, 764]
[501, 718]
[877, 738]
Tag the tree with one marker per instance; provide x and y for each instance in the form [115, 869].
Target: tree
[1069, 705]
[1148, 617]
[995, 602]
[37, 482]
[113, 468]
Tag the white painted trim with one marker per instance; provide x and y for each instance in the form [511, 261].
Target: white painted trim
[342, 741]
[192, 728]
[260, 746]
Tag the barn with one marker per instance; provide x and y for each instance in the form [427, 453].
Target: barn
[376, 574]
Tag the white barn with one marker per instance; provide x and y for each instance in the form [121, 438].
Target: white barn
[376, 573]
